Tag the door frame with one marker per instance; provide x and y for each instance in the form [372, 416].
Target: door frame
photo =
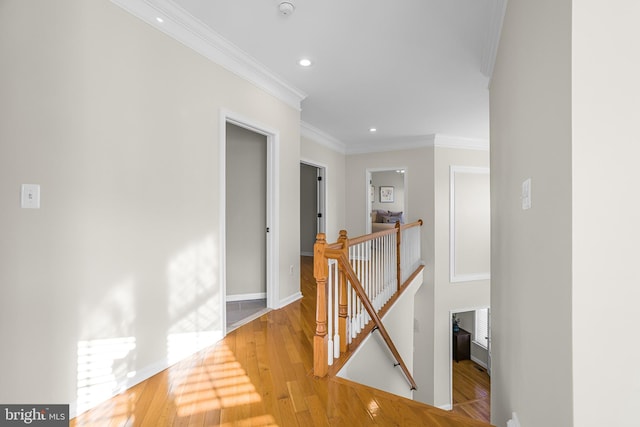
[322, 192]
[273, 210]
[451, 313]
[368, 200]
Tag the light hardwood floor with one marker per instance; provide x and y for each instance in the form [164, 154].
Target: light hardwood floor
[260, 375]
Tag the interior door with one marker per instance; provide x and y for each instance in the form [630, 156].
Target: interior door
[246, 214]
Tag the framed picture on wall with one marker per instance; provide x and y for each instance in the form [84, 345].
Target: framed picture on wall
[386, 194]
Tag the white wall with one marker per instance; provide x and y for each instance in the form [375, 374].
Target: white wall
[418, 165]
[531, 293]
[449, 296]
[373, 355]
[605, 153]
[427, 193]
[335, 163]
[120, 126]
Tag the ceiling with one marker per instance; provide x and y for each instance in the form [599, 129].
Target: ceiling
[409, 68]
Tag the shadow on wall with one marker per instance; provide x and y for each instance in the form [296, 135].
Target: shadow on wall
[106, 356]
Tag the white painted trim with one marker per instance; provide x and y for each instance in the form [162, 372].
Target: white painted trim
[450, 323]
[493, 38]
[514, 421]
[273, 207]
[391, 145]
[447, 141]
[246, 297]
[183, 27]
[445, 407]
[368, 178]
[461, 278]
[322, 138]
[479, 362]
[291, 298]
[453, 276]
[423, 141]
[141, 375]
[325, 188]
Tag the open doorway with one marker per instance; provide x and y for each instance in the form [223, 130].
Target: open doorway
[386, 198]
[312, 205]
[248, 221]
[469, 372]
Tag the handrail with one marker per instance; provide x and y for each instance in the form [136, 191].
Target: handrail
[376, 266]
[357, 286]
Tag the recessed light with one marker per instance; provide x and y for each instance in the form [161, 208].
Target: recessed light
[373, 130]
[160, 20]
[305, 62]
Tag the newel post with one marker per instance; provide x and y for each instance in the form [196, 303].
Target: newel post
[320, 272]
[342, 295]
[398, 254]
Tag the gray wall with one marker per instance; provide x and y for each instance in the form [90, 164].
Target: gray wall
[531, 295]
[246, 207]
[308, 208]
[564, 109]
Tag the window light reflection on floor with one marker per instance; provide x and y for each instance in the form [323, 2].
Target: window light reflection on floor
[219, 383]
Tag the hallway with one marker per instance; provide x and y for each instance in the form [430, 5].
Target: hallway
[260, 374]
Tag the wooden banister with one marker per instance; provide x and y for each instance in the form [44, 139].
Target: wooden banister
[348, 320]
[320, 272]
[343, 261]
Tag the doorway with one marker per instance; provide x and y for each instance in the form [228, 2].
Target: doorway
[386, 197]
[312, 205]
[469, 370]
[248, 221]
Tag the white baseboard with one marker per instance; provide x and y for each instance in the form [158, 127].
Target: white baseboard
[514, 421]
[479, 362]
[146, 372]
[446, 407]
[288, 300]
[246, 297]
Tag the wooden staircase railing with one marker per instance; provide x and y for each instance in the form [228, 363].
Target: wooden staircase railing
[355, 280]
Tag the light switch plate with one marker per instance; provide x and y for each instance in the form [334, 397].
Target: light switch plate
[526, 194]
[30, 196]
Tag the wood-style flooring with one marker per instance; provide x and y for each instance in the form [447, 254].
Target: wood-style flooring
[471, 390]
[260, 375]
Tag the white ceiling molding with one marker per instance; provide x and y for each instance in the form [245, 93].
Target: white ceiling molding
[186, 29]
[446, 141]
[493, 38]
[392, 145]
[433, 140]
[322, 138]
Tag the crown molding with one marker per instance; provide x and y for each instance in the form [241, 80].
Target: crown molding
[409, 143]
[183, 27]
[493, 38]
[391, 145]
[322, 138]
[446, 141]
